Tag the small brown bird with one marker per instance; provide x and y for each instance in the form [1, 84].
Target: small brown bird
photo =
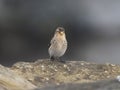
[58, 44]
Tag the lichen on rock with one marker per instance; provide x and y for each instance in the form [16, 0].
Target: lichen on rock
[42, 73]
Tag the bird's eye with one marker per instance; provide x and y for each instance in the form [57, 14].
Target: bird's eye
[60, 29]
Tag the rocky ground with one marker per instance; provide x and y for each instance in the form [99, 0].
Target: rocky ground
[46, 75]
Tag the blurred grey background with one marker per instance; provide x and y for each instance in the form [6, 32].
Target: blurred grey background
[92, 28]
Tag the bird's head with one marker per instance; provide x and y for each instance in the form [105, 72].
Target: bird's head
[60, 30]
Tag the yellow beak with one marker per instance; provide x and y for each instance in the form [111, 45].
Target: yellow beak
[61, 33]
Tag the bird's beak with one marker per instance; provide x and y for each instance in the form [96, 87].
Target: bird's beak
[61, 33]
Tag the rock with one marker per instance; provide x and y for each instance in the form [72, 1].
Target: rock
[11, 81]
[100, 85]
[42, 73]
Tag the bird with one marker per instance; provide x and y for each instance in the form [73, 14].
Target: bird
[58, 45]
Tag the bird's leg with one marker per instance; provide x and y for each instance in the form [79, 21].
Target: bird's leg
[52, 58]
[62, 61]
[57, 58]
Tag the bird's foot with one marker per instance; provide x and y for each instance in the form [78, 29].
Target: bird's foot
[62, 61]
[57, 59]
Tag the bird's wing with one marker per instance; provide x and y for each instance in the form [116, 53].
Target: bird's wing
[52, 41]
